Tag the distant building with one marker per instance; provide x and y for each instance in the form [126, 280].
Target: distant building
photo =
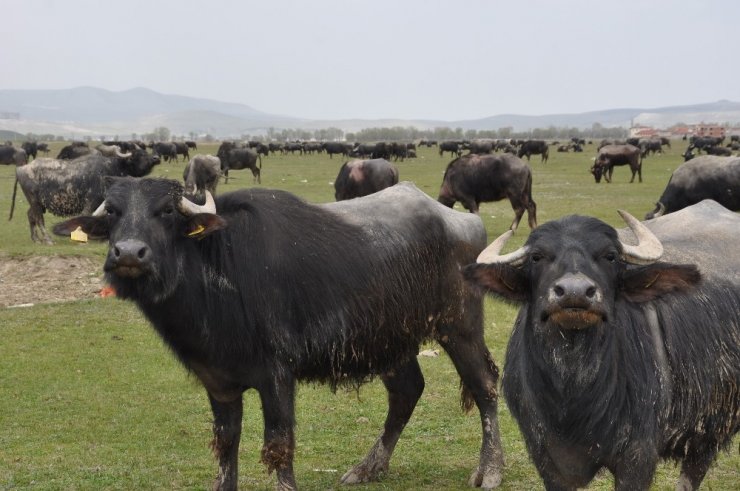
[642, 132]
[714, 130]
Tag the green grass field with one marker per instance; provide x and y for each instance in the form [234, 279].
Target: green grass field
[92, 399]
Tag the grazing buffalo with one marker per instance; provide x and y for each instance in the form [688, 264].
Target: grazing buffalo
[472, 179]
[201, 174]
[617, 361]
[43, 148]
[261, 290]
[534, 147]
[613, 155]
[191, 144]
[165, 150]
[358, 178]
[700, 143]
[236, 158]
[10, 155]
[704, 177]
[67, 188]
[650, 146]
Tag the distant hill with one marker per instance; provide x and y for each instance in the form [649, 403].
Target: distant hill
[97, 112]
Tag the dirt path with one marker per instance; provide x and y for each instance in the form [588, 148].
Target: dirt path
[44, 279]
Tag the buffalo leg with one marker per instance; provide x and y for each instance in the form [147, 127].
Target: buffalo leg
[278, 411]
[227, 428]
[694, 467]
[404, 387]
[479, 375]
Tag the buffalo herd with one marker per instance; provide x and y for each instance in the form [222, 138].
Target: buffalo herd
[625, 351]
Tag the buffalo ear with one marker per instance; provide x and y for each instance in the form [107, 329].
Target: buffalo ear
[203, 224]
[96, 228]
[502, 280]
[653, 281]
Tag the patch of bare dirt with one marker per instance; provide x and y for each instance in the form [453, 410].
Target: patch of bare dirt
[45, 279]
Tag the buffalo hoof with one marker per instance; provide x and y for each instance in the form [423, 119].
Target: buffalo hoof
[486, 480]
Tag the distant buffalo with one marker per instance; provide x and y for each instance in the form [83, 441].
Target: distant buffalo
[362, 177]
[472, 179]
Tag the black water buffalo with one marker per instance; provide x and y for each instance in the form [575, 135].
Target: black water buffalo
[613, 155]
[719, 151]
[358, 178]
[534, 147]
[200, 174]
[165, 150]
[364, 150]
[700, 143]
[239, 158]
[277, 291]
[471, 179]
[453, 147]
[191, 144]
[704, 177]
[67, 188]
[292, 147]
[31, 149]
[74, 151]
[337, 148]
[650, 146]
[182, 148]
[43, 148]
[481, 146]
[617, 361]
[10, 155]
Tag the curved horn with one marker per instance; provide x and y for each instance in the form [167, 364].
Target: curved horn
[123, 155]
[661, 210]
[188, 208]
[490, 254]
[100, 211]
[648, 248]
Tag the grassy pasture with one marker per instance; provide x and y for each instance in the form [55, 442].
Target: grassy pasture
[91, 398]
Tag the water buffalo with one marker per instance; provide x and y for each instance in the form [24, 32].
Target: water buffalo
[10, 155]
[261, 290]
[453, 147]
[613, 155]
[617, 360]
[704, 177]
[236, 158]
[362, 177]
[534, 147]
[200, 174]
[66, 188]
[472, 179]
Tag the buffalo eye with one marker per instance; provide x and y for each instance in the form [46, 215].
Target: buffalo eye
[536, 257]
[166, 211]
[111, 211]
[611, 256]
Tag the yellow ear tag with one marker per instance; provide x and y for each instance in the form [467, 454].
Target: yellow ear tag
[78, 235]
[197, 231]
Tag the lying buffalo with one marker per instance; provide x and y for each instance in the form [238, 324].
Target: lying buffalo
[472, 179]
[705, 177]
[617, 360]
[362, 177]
[260, 290]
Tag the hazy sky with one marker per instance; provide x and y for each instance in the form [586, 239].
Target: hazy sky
[329, 59]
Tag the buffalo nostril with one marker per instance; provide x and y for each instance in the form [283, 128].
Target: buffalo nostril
[116, 252]
[142, 253]
[590, 292]
[559, 291]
